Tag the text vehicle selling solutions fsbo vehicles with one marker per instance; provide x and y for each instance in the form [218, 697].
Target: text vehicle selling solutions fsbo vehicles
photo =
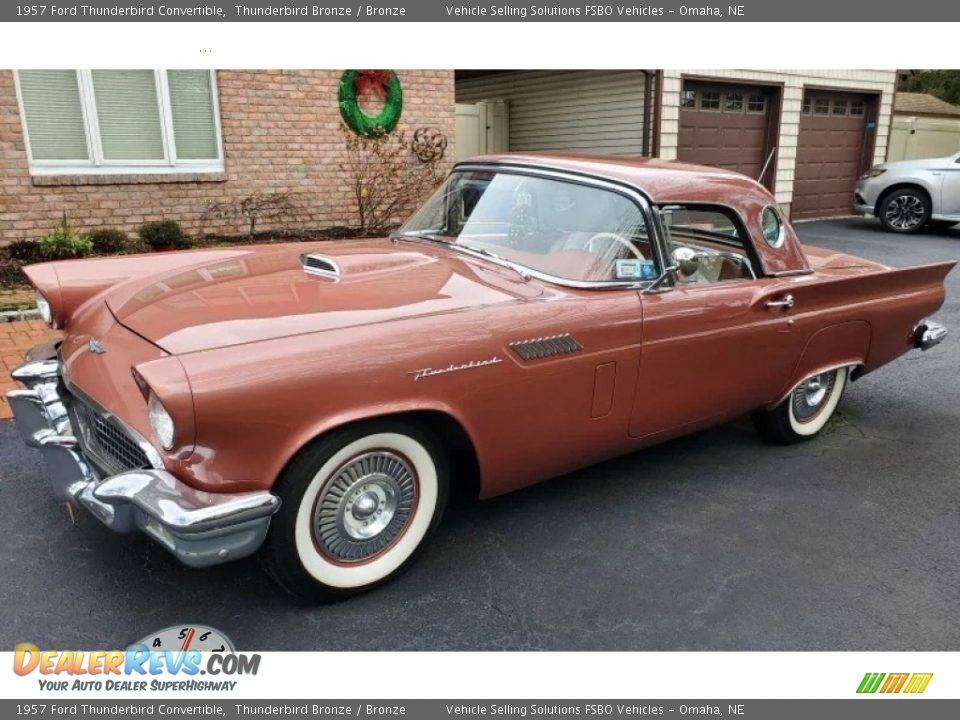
[316, 402]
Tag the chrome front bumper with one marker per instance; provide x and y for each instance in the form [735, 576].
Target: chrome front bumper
[928, 334]
[199, 528]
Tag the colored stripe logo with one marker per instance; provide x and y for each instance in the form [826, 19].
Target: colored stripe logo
[912, 683]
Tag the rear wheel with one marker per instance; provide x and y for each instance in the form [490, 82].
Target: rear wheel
[905, 211]
[805, 411]
[357, 505]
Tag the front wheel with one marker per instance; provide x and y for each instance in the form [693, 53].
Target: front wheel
[357, 505]
[905, 211]
[805, 411]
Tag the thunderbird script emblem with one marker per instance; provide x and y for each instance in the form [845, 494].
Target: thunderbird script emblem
[95, 347]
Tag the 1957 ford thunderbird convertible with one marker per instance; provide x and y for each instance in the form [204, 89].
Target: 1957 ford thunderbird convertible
[317, 402]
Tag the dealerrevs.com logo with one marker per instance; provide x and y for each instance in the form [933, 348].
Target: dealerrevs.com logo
[910, 683]
[182, 668]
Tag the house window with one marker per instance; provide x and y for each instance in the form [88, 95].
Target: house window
[821, 106]
[757, 104]
[839, 107]
[858, 107]
[807, 105]
[733, 102]
[688, 99]
[120, 121]
[710, 100]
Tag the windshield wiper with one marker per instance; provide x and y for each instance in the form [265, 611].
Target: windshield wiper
[434, 238]
[421, 236]
[519, 269]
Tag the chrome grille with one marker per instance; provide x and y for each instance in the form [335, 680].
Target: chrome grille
[105, 441]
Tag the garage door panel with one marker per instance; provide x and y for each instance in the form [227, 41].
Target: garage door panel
[830, 153]
[717, 129]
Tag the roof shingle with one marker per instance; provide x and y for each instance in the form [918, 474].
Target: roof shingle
[924, 104]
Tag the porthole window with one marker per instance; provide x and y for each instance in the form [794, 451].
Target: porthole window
[772, 227]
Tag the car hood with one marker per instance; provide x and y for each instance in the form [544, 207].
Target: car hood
[919, 164]
[264, 292]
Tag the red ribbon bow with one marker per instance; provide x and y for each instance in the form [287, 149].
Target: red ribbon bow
[375, 82]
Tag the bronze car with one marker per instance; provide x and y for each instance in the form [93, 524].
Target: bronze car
[540, 313]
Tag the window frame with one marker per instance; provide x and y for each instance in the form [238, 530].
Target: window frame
[96, 164]
[744, 236]
[776, 243]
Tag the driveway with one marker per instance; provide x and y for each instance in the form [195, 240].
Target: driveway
[711, 542]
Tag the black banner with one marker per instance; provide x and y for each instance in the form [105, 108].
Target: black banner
[481, 11]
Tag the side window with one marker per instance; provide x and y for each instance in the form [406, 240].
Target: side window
[772, 227]
[706, 244]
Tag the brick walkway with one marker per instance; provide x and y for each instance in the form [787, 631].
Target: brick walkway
[15, 339]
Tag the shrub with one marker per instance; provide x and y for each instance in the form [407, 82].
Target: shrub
[276, 207]
[24, 251]
[107, 241]
[64, 243]
[164, 233]
[386, 178]
[10, 276]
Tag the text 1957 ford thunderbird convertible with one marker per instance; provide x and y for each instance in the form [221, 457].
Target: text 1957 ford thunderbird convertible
[539, 313]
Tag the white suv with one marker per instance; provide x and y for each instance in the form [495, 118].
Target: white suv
[911, 195]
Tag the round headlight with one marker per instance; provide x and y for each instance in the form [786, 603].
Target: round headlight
[160, 422]
[44, 307]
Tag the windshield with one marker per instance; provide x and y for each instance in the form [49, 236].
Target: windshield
[560, 228]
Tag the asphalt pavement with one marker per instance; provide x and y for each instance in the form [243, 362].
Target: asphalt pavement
[710, 542]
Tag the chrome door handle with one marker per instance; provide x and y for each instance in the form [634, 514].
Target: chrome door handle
[786, 303]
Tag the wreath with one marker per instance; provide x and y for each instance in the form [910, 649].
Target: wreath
[384, 84]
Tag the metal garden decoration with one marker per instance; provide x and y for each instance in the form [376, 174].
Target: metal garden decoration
[384, 84]
[429, 144]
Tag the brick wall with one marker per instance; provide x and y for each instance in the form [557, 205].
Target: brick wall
[280, 134]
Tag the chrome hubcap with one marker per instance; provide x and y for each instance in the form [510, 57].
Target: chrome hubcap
[364, 506]
[811, 395]
[905, 212]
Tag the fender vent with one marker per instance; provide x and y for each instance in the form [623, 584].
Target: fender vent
[545, 347]
[319, 265]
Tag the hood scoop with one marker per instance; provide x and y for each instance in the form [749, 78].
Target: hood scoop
[314, 264]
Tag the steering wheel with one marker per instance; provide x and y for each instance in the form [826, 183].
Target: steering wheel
[610, 252]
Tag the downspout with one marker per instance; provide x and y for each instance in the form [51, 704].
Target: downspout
[657, 110]
[647, 111]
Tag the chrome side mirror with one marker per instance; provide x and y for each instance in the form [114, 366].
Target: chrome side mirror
[657, 285]
[687, 260]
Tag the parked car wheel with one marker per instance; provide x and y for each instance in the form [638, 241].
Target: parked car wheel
[357, 505]
[905, 211]
[805, 411]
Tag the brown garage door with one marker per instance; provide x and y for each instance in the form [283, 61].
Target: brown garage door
[831, 152]
[725, 125]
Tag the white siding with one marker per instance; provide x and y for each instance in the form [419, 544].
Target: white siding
[882, 81]
[585, 110]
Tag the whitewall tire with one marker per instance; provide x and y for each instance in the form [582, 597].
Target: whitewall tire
[357, 504]
[805, 411]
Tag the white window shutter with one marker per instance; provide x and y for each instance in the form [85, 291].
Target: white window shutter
[128, 114]
[191, 105]
[51, 104]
